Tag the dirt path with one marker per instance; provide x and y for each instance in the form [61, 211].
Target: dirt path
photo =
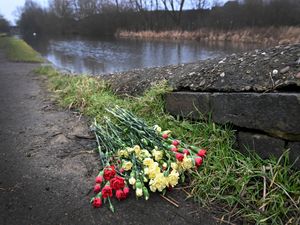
[46, 173]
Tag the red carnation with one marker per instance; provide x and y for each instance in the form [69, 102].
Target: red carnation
[117, 183]
[165, 136]
[97, 188]
[201, 153]
[174, 149]
[126, 191]
[99, 179]
[175, 142]
[186, 151]
[109, 172]
[198, 161]
[179, 157]
[97, 202]
[120, 195]
[106, 192]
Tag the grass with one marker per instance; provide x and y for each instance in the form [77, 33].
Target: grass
[244, 187]
[18, 50]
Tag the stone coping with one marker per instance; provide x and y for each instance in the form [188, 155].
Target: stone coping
[269, 70]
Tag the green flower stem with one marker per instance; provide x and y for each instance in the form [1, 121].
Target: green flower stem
[111, 207]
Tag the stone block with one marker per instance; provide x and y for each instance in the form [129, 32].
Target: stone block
[274, 113]
[188, 104]
[265, 146]
[295, 153]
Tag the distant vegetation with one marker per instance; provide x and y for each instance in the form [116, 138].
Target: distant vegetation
[4, 25]
[106, 17]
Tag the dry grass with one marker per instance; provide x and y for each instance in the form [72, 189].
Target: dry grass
[271, 35]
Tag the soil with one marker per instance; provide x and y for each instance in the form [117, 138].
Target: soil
[48, 167]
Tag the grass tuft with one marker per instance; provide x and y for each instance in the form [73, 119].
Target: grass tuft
[247, 187]
[19, 51]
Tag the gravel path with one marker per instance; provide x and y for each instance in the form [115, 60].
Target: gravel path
[46, 171]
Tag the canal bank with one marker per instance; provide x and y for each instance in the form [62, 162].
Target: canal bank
[48, 164]
[223, 165]
[258, 92]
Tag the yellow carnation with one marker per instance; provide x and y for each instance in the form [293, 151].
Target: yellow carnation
[158, 183]
[187, 163]
[173, 178]
[174, 166]
[127, 165]
[148, 161]
[167, 132]
[146, 170]
[153, 170]
[137, 149]
[123, 153]
[130, 149]
[158, 155]
[144, 154]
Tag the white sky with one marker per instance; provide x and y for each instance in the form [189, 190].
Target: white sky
[8, 8]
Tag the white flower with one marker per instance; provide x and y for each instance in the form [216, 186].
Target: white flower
[157, 128]
[139, 192]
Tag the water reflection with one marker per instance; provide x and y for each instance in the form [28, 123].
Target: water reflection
[94, 56]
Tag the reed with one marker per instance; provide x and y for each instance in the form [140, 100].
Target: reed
[270, 35]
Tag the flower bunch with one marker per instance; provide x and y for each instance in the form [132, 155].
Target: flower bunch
[145, 158]
[106, 183]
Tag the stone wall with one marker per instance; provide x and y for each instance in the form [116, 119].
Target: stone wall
[268, 123]
[256, 91]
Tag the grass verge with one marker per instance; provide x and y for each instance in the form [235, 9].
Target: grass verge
[258, 191]
[18, 50]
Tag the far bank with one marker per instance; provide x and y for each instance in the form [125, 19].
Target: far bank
[261, 35]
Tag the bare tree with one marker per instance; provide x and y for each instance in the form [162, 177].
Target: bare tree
[174, 9]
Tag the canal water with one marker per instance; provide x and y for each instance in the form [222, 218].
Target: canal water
[102, 56]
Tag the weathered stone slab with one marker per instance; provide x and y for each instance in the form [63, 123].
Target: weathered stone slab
[275, 113]
[294, 153]
[264, 70]
[188, 104]
[264, 145]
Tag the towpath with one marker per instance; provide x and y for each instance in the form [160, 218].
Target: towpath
[46, 171]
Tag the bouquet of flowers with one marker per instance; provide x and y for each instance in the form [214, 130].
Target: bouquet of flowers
[135, 155]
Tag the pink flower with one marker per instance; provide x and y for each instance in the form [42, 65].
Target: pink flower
[117, 183]
[126, 191]
[201, 153]
[186, 151]
[120, 195]
[106, 192]
[198, 161]
[109, 172]
[174, 149]
[97, 188]
[99, 179]
[175, 142]
[179, 157]
[165, 136]
[97, 202]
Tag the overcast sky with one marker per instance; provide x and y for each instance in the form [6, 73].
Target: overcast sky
[8, 7]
